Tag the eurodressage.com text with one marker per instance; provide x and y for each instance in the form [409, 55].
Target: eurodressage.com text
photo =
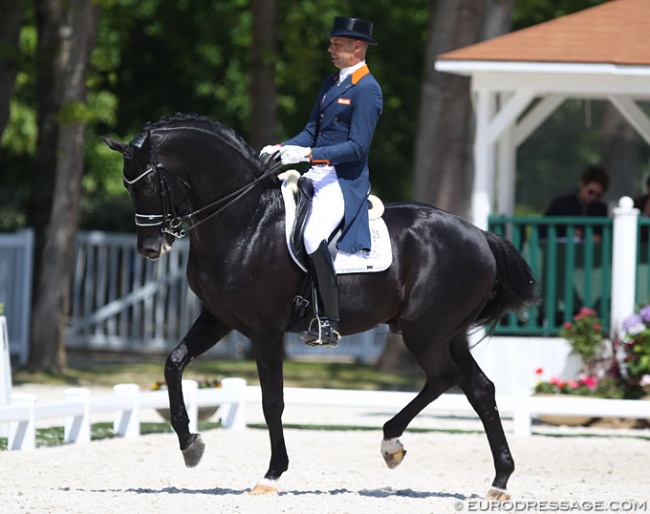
[550, 506]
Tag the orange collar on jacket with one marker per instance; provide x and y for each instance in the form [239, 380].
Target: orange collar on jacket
[357, 75]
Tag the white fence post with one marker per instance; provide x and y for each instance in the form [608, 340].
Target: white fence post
[77, 427]
[22, 434]
[5, 372]
[127, 422]
[233, 413]
[521, 415]
[623, 263]
[190, 388]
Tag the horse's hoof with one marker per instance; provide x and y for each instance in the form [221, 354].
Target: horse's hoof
[393, 452]
[496, 494]
[193, 453]
[265, 486]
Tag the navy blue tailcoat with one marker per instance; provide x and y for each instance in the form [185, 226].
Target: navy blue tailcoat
[339, 131]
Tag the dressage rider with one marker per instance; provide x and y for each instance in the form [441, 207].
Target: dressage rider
[336, 141]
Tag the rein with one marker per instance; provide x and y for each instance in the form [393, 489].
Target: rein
[169, 219]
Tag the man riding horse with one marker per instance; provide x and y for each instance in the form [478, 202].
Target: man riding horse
[336, 142]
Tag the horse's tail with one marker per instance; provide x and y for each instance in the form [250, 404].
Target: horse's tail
[514, 287]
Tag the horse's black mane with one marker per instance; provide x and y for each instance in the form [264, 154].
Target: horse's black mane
[200, 122]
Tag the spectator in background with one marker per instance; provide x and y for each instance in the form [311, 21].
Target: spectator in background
[643, 204]
[584, 201]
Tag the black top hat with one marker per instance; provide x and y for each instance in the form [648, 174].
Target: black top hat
[353, 28]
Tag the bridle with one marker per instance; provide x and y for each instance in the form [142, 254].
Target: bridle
[173, 223]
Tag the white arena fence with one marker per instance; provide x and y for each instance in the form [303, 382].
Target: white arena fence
[127, 400]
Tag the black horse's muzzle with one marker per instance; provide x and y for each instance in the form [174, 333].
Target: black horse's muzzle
[153, 243]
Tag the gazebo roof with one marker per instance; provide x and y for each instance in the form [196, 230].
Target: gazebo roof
[519, 79]
[593, 53]
[615, 32]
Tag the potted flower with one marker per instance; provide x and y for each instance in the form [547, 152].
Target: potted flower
[585, 335]
[206, 412]
[633, 351]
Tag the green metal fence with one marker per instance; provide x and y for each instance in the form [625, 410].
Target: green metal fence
[643, 261]
[571, 272]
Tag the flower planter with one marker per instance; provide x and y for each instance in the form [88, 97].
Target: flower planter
[564, 419]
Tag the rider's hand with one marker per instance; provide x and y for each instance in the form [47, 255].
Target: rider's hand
[291, 154]
[270, 150]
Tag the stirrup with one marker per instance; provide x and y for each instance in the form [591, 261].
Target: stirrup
[324, 336]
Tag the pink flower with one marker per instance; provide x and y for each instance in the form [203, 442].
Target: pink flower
[586, 311]
[590, 382]
[572, 384]
[566, 325]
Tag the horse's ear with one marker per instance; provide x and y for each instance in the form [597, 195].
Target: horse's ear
[143, 155]
[113, 145]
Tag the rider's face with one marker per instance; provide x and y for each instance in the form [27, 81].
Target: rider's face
[344, 51]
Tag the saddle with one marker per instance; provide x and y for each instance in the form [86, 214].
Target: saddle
[297, 193]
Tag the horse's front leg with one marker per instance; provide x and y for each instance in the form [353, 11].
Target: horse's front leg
[269, 357]
[203, 335]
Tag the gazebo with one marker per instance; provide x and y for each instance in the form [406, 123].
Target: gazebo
[519, 80]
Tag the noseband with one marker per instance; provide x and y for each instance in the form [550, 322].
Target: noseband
[170, 220]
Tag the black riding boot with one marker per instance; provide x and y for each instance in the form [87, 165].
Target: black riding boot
[323, 330]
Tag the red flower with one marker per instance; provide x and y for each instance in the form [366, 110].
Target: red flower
[539, 371]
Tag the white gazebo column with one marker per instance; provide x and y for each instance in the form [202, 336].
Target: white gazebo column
[483, 191]
[506, 180]
[623, 263]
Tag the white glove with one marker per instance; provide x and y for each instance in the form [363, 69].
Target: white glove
[270, 150]
[291, 154]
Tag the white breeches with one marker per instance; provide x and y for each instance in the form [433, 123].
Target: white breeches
[327, 206]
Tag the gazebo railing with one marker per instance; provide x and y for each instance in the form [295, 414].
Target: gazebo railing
[570, 272]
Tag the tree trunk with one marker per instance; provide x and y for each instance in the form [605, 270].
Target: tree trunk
[10, 23]
[264, 110]
[50, 69]
[78, 27]
[444, 170]
[444, 166]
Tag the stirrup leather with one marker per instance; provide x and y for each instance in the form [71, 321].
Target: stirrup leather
[324, 335]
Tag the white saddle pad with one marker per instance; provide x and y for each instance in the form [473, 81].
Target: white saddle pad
[379, 258]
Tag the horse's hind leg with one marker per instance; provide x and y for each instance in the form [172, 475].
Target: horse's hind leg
[441, 374]
[203, 335]
[481, 395]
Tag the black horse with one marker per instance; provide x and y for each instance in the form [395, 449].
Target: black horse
[446, 277]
